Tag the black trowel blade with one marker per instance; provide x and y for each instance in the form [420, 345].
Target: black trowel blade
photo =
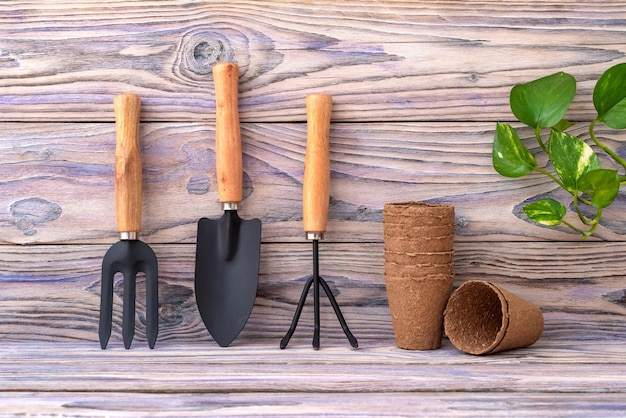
[227, 272]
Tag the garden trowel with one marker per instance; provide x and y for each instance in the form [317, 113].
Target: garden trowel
[228, 249]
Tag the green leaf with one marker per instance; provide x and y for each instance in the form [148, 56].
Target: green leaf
[571, 158]
[602, 185]
[545, 211]
[510, 157]
[563, 125]
[609, 97]
[542, 103]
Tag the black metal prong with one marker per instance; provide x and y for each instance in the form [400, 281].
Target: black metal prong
[106, 306]
[316, 296]
[316, 280]
[296, 316]
[353, 341]
[152, 303]
[129, 257]
[128, 309]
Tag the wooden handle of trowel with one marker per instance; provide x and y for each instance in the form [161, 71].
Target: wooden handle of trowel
[127, 163]
[228, 157]
[316, 186]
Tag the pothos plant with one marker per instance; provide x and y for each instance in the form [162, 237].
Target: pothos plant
[541, 104]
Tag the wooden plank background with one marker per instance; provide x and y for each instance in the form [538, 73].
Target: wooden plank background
[417, 89]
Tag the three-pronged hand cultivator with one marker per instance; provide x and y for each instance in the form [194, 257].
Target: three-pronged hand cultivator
[128, 256]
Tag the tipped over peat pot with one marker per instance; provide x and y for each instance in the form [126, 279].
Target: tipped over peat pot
[482, 318]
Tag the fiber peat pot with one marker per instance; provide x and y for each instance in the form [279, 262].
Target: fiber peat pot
[482, 318]
[417, 306]
[419, 270]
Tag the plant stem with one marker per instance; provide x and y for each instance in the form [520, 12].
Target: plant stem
[585, 234]
[552, 176]
[570, 226]
[582, 217]
[606, 149]
[581, 199]
[540, 141]
[593, 228]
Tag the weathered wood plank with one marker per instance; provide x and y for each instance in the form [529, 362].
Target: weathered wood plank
[57, 181]
[382, 61]
[345, 405]
[51, 293]
[89, 404]
[263, 367]
[423, 80]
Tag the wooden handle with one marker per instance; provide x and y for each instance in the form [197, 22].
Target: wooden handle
[316, 187]
[227, 133]
[127, 163]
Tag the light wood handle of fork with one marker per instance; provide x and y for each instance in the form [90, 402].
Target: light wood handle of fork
[316, 184]
[128, 180]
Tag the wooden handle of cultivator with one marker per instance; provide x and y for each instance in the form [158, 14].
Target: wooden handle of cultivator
[316, 186]
[127, 163]
[228, 157]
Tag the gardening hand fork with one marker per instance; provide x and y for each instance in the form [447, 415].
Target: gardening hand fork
[128, 256]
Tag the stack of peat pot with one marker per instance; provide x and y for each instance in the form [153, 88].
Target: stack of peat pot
[419, 270]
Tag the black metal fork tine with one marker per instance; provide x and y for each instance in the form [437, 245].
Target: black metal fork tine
[351, 338]
[106, 305]
[128, 310]
[296, 316]
[129, 257]
[152, 302]
[316, 280]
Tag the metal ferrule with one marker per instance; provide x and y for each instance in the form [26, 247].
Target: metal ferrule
[315, 235]
[129, 236]
[230, 205]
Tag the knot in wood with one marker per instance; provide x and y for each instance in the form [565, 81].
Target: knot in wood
[208, 52]
[201, 50]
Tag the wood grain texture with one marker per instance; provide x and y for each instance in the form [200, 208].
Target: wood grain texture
[51, 293]
[57, 181]
[90, 404]
[417, 87]
[215, 366]
[402, 61]
[198, 371]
